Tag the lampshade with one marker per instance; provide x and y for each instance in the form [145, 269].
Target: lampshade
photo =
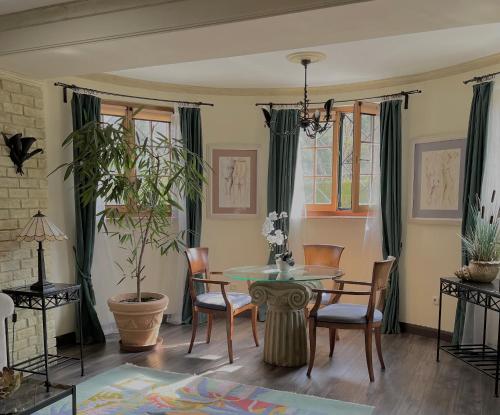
[39, 228]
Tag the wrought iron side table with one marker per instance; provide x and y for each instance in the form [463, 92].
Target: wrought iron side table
[480, 356]
[60, 295]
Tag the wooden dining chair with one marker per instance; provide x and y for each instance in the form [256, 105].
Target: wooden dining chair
[353, 316]
[327, 256]
[216, 303]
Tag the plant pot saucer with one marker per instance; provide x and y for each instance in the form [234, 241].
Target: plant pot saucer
[135, 349]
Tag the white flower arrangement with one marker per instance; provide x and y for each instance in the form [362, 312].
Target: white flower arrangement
[274, 229]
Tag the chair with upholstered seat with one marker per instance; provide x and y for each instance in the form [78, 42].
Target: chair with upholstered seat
[215, 303]
[353, 316]
[327, 256]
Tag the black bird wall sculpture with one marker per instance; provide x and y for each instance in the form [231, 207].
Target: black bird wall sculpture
[19, 149]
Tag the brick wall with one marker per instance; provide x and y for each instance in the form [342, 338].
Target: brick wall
[21, 111]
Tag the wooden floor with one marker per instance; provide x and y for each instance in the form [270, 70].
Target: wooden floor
[413, 382]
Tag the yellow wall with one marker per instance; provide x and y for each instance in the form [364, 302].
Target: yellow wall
[429, 250]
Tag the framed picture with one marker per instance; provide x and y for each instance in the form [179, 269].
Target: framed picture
[437, 180]
[233, 187]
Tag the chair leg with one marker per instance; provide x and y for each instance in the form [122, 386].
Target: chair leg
[230, 330]
[337, 335]
[368, 351]
[194, 324]
[333, 337]
[378, 343]
[254, 325]
[209, 327]
[312, 345]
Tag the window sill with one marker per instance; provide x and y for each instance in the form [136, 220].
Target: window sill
[363, 216]
[316, 213]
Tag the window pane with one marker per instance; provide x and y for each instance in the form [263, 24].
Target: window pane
[346, 140]
[305, 141]
[326, 138]
[142, 131]
[308, 162]
[365, 189]
[345, 188]
[369, 157]
[308, 190]
[323, 193]
[110, 119]
[366, 159]
[324, 162]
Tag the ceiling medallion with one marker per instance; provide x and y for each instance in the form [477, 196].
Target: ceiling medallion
[309, 121]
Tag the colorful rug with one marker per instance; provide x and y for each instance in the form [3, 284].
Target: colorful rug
[134, 390]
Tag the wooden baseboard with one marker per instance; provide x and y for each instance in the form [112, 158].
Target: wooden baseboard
[425, 331]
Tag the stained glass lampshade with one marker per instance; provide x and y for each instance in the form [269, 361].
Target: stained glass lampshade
[40, 229]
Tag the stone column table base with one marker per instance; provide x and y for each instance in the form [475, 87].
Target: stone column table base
[285, 342]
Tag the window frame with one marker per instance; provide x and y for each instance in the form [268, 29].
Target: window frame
[332, 209]
[130, 112]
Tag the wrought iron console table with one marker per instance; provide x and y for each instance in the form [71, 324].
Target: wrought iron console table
[60, 295]
[480, 356]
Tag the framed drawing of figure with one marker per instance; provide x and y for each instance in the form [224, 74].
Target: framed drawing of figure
[437, 180]
[233, 187]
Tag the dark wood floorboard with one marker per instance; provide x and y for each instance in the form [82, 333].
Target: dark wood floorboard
[413, 383]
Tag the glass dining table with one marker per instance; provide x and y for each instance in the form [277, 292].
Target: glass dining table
[286, 295]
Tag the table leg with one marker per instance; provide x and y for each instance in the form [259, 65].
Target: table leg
[497, 372]
[285, 342]
[6, 322]
[73, 400]
[439, 324]
[45, 346]
[485, 321]
[80, 324]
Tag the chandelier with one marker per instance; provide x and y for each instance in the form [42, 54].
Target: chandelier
[310, 121]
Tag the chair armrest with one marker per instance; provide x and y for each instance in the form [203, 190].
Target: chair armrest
[216, 273]
[205, 281]
[354, 282]
[338, 293]
[222, 289]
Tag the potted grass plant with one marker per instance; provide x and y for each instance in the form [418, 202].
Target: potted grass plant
[140, 185]
[481, 242]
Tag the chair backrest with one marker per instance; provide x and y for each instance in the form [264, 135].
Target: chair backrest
[380, 279]
[197, 264]
[325, 255]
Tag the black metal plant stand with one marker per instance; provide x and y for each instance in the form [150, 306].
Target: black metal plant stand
[27, 298]
[480, 356]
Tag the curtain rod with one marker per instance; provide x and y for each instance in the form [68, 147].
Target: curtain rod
[404, 94]
[482, 78]
[96, 91]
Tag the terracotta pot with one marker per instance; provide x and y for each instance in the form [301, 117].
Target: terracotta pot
[483, 271]
[138, 323]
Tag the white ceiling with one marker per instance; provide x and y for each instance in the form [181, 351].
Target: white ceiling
[14, 6]
[347, 62]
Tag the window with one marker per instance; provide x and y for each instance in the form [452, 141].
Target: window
[153, 123]
[339, 165]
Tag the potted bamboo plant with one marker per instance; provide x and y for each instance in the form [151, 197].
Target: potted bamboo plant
[139, 185]
[481, 243]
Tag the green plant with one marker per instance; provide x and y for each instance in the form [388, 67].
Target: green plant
[139, 187]
[481, 240]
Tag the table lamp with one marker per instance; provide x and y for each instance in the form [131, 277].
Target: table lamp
[40, 229]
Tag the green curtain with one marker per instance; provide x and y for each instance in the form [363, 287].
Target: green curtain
[473, 178]
[390, 201]
[281, 166]
[282, 160]
[85, 109]
[190, 123]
